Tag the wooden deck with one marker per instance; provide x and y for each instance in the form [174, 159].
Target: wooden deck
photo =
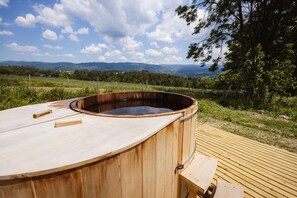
[262, 170]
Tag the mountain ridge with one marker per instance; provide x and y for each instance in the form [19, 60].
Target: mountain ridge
[186, 70]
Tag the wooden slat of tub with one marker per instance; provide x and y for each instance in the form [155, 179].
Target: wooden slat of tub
[66, 184]
[159, 162]
[160, 156]
[96, 138]
[102, 179]
[17, 189]
[149, 167]
[169, 153]
[23, 116]
[193, 129]
[131, 173]
[258, 175]
[182, 188]
[186, 139]
[175, 157]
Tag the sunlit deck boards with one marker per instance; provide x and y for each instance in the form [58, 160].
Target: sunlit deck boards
[262, 170]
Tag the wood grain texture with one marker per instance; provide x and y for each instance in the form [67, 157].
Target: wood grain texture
[131, 173]
[102, 157]
[21, 188]
[175, 180]
[43, 113]
[65, 184]
[21, 117]
[199, 174]
[186, 132]
[149, 167]
[170, 152]
[262, 170]
[67, 123]
[187, 141]
[160, 156]
[102, 179]
[225, 189]
[68, 147]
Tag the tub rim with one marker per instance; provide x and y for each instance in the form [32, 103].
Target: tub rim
[73, 105]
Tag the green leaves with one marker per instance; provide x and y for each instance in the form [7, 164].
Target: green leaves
[261, 37]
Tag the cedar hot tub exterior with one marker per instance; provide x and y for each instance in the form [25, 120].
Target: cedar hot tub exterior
[104, 156]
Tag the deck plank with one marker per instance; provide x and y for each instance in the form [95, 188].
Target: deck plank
[262, 170]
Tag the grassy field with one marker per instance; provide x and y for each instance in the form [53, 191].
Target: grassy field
[265, 127]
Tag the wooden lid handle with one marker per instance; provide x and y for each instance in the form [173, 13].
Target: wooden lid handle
[38, 115]
[67, 123]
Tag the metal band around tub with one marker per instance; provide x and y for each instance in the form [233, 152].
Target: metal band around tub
[181, 166]
[188, 116]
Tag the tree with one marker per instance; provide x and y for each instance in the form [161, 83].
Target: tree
[261, 38]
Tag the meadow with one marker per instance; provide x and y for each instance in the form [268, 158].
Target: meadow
[263, 126]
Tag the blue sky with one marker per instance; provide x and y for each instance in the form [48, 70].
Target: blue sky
[146, 31]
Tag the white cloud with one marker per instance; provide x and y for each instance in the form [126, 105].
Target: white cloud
[152, 52]
[154, 44]
[169, 50]
[118, 18]
[42, 54]
[129, 44]
[172, 28]
[6, 33]
[137, 56]
[73, 37]
[69, 55]
[173, 59]
[55, 16]
[28, 21]
[82, 31]
[22, 48]
[115, 55]
[49, 34]
[101, 58]
[53, 47]
[4, 3]
[92, 49]
[3, 23]
[69, 30]
[73, 34]
[122, 58]
[160, 35]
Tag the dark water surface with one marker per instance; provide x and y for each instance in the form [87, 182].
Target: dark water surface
[134, 107]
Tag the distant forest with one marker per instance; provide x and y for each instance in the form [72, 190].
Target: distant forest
[140, 77]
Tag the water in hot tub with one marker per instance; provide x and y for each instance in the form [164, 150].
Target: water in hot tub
[134, 107]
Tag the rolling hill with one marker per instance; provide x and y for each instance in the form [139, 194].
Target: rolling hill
[181, 70]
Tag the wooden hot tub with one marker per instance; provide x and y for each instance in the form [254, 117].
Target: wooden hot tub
[101, 155]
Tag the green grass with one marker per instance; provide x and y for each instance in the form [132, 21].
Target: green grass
[267, 128]
[250, 124]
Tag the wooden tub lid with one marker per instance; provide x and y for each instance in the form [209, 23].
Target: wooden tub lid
[34, 146]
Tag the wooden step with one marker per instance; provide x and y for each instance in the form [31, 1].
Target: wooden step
[199, 174]
[225, 189]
